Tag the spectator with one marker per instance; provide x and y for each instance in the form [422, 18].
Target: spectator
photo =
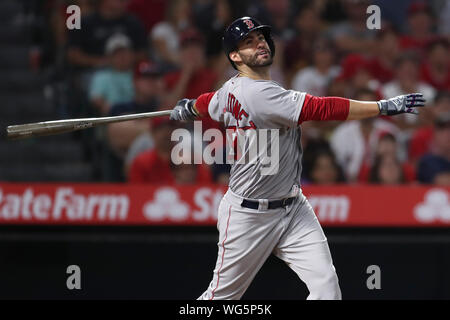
[420, 142]
[115, 84]
[308, 28]
[221, 173]
[325, 169]
[274, 13]
[194, 77]
[444, 19]
[164, 36]
[352, 35]
[436, 68]
[357, 75]
[386, 170]
[420, 23]
[407, 79]
[382, 62]
[155, 165]
[434, 167]
[149, 89]
[354, 142]
[149, 12]
[316, 78]
[386, 150]
[86, 46]
[190, 174]
[211, 18]
[142, 143]
[49, 36]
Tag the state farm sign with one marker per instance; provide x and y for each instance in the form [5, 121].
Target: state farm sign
[330, 208]
[126, 204]
[63, 204]
[167, 204]
[435, 207]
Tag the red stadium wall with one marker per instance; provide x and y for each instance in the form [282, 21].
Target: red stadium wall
[119, 204]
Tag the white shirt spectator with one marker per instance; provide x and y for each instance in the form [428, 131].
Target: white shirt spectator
[310, 80]
[351, 149]
[165, 31]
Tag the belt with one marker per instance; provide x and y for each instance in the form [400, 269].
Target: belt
[272, 204]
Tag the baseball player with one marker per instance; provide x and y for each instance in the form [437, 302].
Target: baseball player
[262, 214]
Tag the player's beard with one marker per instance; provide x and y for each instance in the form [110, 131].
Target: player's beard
[253, 62]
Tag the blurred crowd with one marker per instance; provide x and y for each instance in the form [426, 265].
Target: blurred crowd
[143, 55]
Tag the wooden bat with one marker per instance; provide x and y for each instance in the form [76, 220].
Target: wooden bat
[45, 128]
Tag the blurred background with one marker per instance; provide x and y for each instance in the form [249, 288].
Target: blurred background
[133, 56]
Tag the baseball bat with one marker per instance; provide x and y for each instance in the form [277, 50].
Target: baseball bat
[45, 128]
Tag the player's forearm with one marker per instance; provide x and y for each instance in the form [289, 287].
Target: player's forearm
[362, 109]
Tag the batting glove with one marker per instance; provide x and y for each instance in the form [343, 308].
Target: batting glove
[401, 104]
[184, 110]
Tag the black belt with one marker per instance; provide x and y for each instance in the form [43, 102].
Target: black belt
[272, 204]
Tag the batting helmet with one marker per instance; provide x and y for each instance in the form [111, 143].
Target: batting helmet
[239, 29]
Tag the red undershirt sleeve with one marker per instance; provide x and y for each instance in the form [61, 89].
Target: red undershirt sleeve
[202, 103]
[324, 108]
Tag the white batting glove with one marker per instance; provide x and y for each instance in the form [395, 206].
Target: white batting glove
[406, 103]
[184, 110]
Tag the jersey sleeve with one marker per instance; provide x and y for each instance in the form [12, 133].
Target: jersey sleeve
[324, 108]
[276, 106]
[207, 105]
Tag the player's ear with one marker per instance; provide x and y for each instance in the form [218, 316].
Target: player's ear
[235, 56]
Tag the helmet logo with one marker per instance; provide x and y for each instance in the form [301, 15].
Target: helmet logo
[249, 23]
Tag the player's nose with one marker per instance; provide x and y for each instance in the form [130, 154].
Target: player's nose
[262, 44]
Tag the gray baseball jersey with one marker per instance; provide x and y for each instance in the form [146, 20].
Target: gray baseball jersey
[243, 103]
[248, 236]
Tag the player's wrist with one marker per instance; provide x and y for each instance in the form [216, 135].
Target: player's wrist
[191, 107]
[382, 107]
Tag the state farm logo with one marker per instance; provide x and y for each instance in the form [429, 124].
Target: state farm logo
[330, 208]
[167, 204]
[435, 207]
[63, 204]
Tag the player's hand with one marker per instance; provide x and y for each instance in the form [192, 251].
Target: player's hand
[406, 103]
[184, 110]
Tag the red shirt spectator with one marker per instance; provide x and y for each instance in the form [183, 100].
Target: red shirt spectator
[387, 146]
[149, 167]
[149, 12]
[194, 78]
[421, 140]
[436, 68]
[420, 22]
[382, 62]
[409, 174]
[427, 77]
[420, 143]
[202, 80]
[379, 71]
